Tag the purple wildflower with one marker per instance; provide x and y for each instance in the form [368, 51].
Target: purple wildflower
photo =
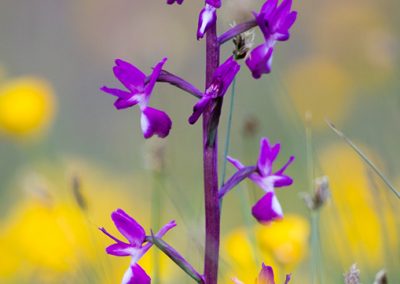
[221, 80]
[136, 247]
[139, 87]
[267, 208]
[274, 22]
[170, 2]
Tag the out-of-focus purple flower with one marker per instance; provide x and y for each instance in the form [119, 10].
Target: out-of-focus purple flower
[274, 21]
[139, 87]
[221, 80]
[207, 17]
[267, 209]
[266, 276]
[136, 246]
[170, 2]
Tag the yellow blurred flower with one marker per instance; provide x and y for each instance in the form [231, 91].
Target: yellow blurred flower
[48, 238]
[26, 105]
[322, 87]
[358, 36]
[281, 245]
[359, 225]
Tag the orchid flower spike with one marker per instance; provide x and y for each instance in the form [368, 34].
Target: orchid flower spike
[274, 21]
[268, 208]
[136, 246]
[220, 82]
[153, 121]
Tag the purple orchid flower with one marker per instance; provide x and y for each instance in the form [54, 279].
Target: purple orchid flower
[170, 2]
[221, 80]
[274, 22]
[267, 209]
[136, 246]
[153, 121]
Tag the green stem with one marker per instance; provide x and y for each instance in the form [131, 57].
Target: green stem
[156, 209]
[315, 248]
[228, 131]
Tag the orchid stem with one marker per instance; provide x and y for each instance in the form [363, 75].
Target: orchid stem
[210, 164]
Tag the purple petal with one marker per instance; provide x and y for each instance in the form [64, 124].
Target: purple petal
[207, 17]
[223, 76]
[199, 108]
[266, 275]
[154, 121]
[132, 78]
[136, 275]
[116, 92]
[267, 209]
[166, 228]
[235, 163]
[283, 181]
[288, 22]
[260, 60]
[129, 228]
[215, 3]
[268, 8]
[122, 103]
[121, 249]
[170, 2]
[267, 156]
[283, 169]
[154, 75]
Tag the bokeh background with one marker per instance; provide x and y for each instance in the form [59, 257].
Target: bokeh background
[61, 140]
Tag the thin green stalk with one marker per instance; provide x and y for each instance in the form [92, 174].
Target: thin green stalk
[315, 248]
[315, 261]
[156, 209]
[228, 131]
[365, 158]
[243, 197]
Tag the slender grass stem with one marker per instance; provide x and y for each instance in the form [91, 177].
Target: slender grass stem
[365, 158]
[228, 131]
[315, 261]
[156, 211]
